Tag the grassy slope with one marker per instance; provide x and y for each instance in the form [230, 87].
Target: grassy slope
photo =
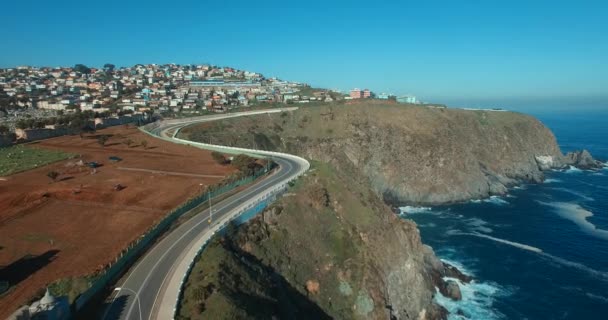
[21, 158]
[316, 233]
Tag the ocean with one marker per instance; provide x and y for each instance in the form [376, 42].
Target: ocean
[539, 252]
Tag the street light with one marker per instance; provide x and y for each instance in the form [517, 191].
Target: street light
[210, 209]
[136, 297]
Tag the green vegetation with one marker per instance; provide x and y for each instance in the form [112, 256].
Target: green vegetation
[102, 139]
[71, 287]
[218, 157]
[53, 175]
[310, 242]
[20, 158]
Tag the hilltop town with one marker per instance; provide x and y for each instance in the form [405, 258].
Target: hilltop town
[30, 92]
[36, 100]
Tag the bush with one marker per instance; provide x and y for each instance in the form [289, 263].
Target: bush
[53, 175]
[218, 157]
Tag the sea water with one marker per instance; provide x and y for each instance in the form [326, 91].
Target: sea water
[540, 252]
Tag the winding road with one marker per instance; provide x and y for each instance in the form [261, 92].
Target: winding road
[152, 287]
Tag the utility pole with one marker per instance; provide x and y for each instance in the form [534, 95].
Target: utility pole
[210, 210]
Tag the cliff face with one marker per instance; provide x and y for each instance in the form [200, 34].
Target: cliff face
[328, 248]
[332, 242]
[409, 154]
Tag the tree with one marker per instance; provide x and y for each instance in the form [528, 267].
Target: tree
[53, 175]
[4, 129]
[246, 164]
[21, 124]
[144, 143]
[82, 68]
[128, 142]
[108, 67]
[218, 157]
[102, 140]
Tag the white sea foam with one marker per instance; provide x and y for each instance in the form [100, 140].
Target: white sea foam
[496, 200]
[493, 199]
[596, 297]
[477, 300]
[576, 193]
[511, 243]
[428, 225]
[477, 224]
[578, 215]
[412, 209]
[572, 169]
[595, 273]
[552, 180]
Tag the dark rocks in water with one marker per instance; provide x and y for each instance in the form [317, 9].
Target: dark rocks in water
[582, 159]
[441, 270]
[453, 272]
[453, 290]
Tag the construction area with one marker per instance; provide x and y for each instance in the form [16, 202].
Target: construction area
[73, 217]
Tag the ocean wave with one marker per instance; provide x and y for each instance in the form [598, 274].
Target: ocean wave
[412, 209]
[572, 169]
[596, 297]
[550, 180]
[492, 199]
[508, 242]
[477, 224]
[594, 273]
[477, 300]
[578, 215]
[576, 193]
[427, 225]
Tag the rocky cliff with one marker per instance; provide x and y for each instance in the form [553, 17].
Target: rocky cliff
[416, 155]
[331, 247]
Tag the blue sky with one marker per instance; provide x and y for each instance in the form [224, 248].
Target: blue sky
[458, 52]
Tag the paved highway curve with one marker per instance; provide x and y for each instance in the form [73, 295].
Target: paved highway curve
[151, 288]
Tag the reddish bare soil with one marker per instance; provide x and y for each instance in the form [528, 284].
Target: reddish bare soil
[80, 223]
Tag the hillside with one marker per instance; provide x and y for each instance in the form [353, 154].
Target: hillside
[415, 155]
[327, 248]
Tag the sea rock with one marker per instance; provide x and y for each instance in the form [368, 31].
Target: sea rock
[583, 160]
[453, 272]
[453, 290]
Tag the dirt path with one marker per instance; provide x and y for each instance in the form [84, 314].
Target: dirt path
[171, 173]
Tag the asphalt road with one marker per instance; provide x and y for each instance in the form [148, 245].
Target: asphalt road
[150, 287]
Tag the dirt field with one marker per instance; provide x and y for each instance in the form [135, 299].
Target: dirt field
[75, 225]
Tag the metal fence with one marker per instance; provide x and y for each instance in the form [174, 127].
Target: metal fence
[130, 254]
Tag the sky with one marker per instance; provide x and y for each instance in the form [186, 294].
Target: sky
[465, 53]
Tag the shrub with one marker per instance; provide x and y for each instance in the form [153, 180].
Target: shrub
[102, 140]
[53, 175]
[218, 157]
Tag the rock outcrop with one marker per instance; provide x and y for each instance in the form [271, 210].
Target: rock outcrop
[583, 160]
